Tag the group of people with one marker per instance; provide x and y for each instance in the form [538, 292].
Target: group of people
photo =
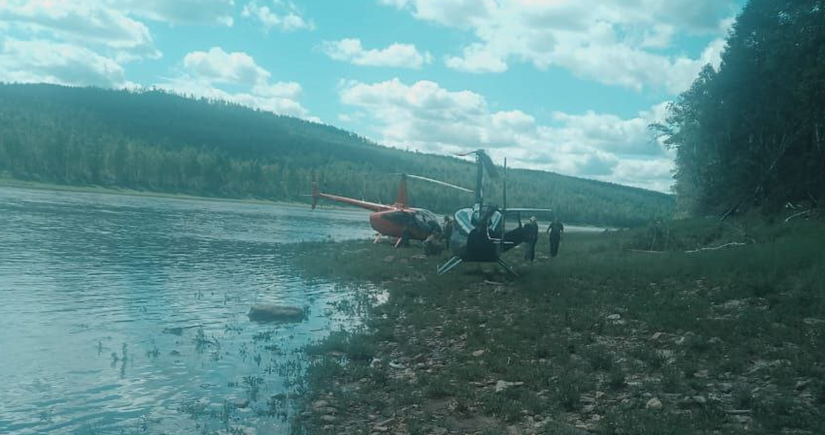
[531, 236]
[437, 242]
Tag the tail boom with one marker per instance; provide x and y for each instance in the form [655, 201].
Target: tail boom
[316, 195]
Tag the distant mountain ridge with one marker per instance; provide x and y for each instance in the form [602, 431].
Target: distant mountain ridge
[156, 141]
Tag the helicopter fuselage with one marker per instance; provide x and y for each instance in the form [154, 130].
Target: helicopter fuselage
[417, 223]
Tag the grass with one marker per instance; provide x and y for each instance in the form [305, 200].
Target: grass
[722, 338]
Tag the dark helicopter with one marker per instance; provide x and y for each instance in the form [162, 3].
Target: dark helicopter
[479, 232]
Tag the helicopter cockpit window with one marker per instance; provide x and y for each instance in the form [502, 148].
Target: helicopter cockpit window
[464, 220]
[495, 220]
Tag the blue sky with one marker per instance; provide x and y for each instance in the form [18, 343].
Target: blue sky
[562, 85]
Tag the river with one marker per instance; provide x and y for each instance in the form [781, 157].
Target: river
[127, 314]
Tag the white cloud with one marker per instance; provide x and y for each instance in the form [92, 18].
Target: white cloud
[218, 66]
[286, 90]
[279, 104]
[457, 13]
[205, 74]
[607, 42]
[45, 61]
[421, 113]
[110, 27]
[282, 16]
[713, 53]
[81, 22]
[216, 12]
[428, 117]
[514, 121]
[397, 3]
[607, 132]
[395, 55]
[659, 36]
[476, 59]
[655, 174]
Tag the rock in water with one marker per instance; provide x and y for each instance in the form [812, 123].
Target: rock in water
[275, 313]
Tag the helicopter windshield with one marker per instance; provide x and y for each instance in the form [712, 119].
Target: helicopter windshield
[467, 219]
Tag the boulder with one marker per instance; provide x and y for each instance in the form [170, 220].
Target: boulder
[503, 385]
[275, 313]
[318, 404]
[654, 403]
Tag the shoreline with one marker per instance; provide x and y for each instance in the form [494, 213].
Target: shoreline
[598, 340]
[33, 185]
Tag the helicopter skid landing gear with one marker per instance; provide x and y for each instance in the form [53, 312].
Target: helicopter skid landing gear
[377, 238]
[455, 261]
[449, 265]
[507, 267]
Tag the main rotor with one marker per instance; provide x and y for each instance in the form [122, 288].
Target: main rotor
[484, 163]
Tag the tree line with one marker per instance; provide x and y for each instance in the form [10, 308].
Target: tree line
[752, 133]
[155, 141]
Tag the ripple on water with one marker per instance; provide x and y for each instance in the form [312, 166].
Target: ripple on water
[91, 281]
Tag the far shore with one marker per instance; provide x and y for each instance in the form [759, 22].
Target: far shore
[14, 183]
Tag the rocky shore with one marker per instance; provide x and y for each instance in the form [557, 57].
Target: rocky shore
[599, 340]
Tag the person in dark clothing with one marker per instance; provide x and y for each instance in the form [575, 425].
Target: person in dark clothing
[531, 236]
[404, 240]
[448, 231]
[556, 228]
[432, 245]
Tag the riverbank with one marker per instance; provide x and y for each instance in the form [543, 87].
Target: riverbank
[624, 333]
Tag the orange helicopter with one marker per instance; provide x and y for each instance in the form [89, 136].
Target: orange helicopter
[395, 220]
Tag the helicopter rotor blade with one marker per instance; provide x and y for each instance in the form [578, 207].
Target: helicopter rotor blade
[485, 159]
[439, 182]
[513, 210]
[489, 166]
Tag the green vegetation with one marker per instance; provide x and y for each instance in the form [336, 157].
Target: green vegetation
[610, 337]
[159, 142]
[753, 132]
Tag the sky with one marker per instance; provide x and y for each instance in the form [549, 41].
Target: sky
[568, 86]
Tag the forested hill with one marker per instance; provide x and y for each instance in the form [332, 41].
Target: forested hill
[151, 140]
[752, 133]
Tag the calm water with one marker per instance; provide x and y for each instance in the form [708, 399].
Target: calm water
[92, 287]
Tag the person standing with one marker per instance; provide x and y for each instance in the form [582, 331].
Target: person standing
[531, 236]
[556, 228]
[432, 245]
[404, 240]
[448, 231]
